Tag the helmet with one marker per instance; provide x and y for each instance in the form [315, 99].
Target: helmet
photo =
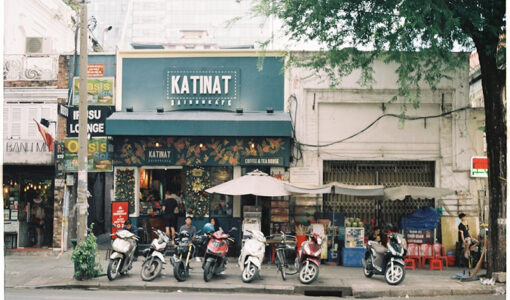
[208, 228]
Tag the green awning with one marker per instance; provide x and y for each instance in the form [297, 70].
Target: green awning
[193, 123]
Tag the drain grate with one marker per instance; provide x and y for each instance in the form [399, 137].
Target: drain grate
[324, 293]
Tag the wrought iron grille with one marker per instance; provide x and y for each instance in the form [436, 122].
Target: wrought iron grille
[387, 173]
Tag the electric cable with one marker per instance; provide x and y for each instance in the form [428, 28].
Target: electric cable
[408, 118]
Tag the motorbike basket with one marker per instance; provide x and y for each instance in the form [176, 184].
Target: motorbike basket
[120, 245]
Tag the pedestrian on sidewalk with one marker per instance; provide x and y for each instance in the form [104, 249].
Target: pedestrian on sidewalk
[169, 219]
[468, 242]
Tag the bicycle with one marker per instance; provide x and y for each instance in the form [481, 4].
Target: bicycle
[287, 243]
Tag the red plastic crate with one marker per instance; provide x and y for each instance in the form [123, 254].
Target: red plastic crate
[451, 261]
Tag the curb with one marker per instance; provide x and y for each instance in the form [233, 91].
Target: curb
[423, 292]
[334, 291]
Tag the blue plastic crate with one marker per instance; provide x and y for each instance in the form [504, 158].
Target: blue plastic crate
[351, 257]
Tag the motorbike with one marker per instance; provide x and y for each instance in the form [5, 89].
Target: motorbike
[389, 261]
[123, 254]
[215, 258]
[154, 256]
[308, 258]
[185, 250]
[252, 255]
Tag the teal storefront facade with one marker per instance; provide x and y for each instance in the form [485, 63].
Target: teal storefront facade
[186, 121]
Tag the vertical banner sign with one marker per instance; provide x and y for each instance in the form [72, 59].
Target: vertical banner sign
[119, 215]
[479, 166]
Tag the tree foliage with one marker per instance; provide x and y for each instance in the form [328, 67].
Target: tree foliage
[417, 35]
[420, 37]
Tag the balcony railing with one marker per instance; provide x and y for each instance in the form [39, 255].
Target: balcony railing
[23, 67]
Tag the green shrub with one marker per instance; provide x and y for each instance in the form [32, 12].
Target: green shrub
[84, 258]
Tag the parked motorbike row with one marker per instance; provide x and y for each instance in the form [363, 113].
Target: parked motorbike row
[378, 259]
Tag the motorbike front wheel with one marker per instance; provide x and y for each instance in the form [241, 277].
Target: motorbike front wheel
[281, 265]
[394, 275]
[113, 268]
[151, 270]
[249, 273]
[180, 271]
[208, 271]
[308, 273]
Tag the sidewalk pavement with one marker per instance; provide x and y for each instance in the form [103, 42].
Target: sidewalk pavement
[49, 271]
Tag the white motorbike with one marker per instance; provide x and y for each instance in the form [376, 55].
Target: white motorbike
[121, 259]
[252, 255]
[154, 256]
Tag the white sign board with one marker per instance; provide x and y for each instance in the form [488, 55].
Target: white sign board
[301, 175]
[24, 151]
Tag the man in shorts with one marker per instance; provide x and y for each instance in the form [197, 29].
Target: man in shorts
[169, 219]
[465, 238]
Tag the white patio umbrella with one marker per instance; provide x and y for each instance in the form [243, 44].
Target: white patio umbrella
[255, 183]
[417, 192]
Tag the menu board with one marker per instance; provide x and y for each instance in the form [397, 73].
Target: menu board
[354, 237]
[120, 211]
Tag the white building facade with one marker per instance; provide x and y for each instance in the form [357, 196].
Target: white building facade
[432, 152]
[36, 33]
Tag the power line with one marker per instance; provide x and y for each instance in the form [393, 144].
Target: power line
[381, 117]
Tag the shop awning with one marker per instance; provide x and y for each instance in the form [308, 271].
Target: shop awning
[416, 192]
[358, 190]
[199, 123]
[307, 189]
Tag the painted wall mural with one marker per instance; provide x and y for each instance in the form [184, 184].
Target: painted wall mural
[197, 151]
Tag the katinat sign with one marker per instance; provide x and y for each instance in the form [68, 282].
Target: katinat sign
[202, 88]
[479, 166]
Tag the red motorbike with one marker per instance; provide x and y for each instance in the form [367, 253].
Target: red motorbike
[215, 259]
[308, 258]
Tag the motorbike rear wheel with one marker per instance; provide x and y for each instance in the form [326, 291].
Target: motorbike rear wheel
[151, 270]
[113, 268]
[208, 271]
[395, 275]
[309, 273]
[250, 271]
[366, 271]
[180, 272]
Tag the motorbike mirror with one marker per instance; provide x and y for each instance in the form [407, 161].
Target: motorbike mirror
[233, 229]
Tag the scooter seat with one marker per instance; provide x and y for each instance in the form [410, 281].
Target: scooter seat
[379, 249]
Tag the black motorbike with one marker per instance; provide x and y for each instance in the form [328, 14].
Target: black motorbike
[389, 261]
[185, 251]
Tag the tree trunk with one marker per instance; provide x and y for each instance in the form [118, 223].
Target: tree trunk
[495, 129]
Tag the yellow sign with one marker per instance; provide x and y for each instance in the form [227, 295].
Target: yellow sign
[99, 90]
[98, 159]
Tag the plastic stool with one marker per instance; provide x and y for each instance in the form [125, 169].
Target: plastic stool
[410, 263]
[436, 264]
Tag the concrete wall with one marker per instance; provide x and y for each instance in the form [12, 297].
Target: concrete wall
[327, 114]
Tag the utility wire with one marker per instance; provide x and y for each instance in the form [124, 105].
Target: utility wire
[379, 118]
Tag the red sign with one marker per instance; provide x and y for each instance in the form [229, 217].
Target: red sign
[95, 70]
[120, 214]
[479, 166]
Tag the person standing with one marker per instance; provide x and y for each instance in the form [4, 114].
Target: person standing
[169, 219]
[465, 237]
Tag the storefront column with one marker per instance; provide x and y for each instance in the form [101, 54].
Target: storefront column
[58, 215]
[237, 199]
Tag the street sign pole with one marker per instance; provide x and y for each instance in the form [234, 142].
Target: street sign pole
[82, 134]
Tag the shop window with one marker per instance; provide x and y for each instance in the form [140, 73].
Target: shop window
[221, 205]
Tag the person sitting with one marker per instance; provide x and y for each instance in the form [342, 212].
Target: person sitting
[216, 224]
[376, 235]
[129, 227]
[187, 227]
